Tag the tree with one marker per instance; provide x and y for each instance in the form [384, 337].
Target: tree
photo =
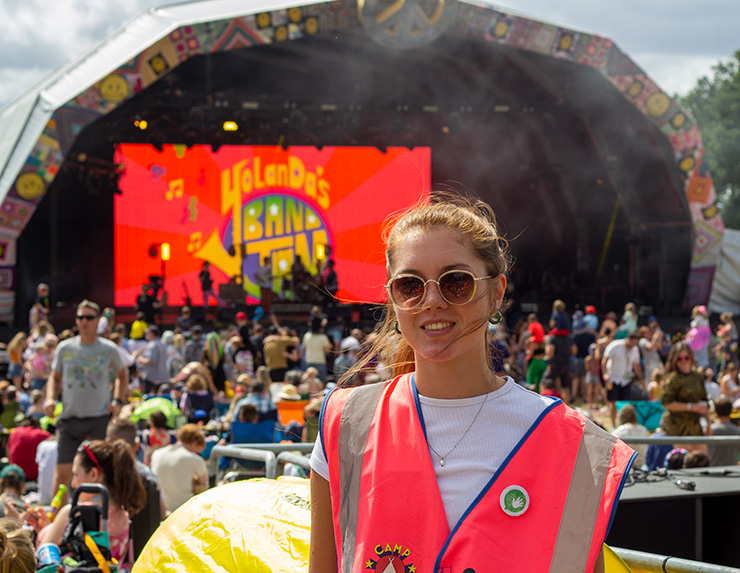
[715, 104]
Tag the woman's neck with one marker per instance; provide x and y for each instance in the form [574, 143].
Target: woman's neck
[455, 380]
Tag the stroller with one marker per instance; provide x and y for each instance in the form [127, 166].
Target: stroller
[85, 545]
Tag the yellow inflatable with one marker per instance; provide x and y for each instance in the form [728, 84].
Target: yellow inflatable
[252, 526]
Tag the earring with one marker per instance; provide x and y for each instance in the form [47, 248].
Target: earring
[497, 318]
[395, 327]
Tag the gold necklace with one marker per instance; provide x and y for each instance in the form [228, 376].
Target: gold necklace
[465, 433]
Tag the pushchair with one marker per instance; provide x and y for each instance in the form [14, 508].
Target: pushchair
[85, 545]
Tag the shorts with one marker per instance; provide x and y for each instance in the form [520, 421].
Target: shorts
[592, 379]
[619, 393]
[578, 366]
[277, 374]
[14, 370]
[74, 431]
[38, 383]
[561, 371]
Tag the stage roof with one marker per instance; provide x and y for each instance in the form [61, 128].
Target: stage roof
[38, 130]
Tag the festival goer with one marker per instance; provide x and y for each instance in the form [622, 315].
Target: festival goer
[446, 279]
[16, 348]
[22, 444]
[84, 366]
[683, 395]
[315, 346]
[138, 329]
[655, 386]
[184, 323]
[583, 338]
[181, 470]
[106, 322]
[699, 336]
[197, 397]
[629, 428]
[41, 309]
[535, 352]
[724, 454]
[157, 436]
[17, 553]
[628, 324]
[110, 464]
[621, 359]
[39, 365]
[651, 342]
[147, 304]
[591, 320]
[593, 378]
[153, 361]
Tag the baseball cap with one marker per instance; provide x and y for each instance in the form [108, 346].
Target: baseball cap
[13, 470]
[590, 309]
[241, 316]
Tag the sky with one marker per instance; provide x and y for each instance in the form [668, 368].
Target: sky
[675, 41]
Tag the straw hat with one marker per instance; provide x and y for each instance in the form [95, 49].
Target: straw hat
[289, 392]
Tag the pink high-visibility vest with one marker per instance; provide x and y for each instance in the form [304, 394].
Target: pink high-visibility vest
[547, 508]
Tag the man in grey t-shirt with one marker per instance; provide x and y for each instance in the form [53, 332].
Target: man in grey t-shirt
[82, 371]
[153, 361]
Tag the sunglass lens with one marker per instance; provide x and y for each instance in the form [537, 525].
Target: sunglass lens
[407, 291]
[457, 286]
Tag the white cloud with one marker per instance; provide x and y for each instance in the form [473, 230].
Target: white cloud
[676, 74]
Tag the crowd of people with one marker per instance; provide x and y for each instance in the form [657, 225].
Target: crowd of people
[70, 398]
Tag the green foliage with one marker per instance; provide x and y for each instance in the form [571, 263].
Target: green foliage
[715, 104]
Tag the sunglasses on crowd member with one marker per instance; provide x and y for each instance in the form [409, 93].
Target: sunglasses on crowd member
[86, 316]
[684, 358]
[457, 287]
[84, 447]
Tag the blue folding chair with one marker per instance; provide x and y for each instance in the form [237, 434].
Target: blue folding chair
[250, 433]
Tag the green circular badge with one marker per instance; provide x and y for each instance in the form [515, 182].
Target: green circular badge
[514, 500]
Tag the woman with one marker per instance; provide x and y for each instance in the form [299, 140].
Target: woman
[111, 464]
[197, 397]
[683, 395]
[16, 348]
[699, 335]
[446, 265]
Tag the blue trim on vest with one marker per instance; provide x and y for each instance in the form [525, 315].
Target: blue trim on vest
[488, 486]
[417, 403]
[619, 492]
[321, 422]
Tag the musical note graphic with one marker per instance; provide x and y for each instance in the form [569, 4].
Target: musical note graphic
[157, 171]
[176, 189]
[196, 242]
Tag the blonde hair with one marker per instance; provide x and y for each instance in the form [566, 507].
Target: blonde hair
[191, 434]
[475, 222]
[17, 552]
[196, 382]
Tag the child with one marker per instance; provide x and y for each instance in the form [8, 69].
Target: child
[655, 387]
[559, 320]
[157, 436]
[39, 364]
[593, 380]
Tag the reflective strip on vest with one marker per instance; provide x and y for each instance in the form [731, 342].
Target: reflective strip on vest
[353, 432]
[581, 508]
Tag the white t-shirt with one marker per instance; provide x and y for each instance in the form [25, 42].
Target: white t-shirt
[176, 467]
[620, 360]
[46, 459]
[314, 347]
[507, 414]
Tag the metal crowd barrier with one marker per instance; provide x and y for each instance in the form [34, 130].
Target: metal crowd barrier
[259, 453]
[664, 564]
[684, 440]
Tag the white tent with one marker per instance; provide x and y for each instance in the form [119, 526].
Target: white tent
[725, 296]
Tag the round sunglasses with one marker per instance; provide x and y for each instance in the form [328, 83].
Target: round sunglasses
[457, 287]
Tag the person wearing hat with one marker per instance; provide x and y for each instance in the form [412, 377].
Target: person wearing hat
[590, 318]
[289, 393]
[153, 360]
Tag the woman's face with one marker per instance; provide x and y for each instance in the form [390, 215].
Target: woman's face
[436, 330]
[80, 475]
[684, 362]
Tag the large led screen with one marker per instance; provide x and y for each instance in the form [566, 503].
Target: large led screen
[234, 206]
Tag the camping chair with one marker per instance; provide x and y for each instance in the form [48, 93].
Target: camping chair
[250, 433]
[291, 410]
